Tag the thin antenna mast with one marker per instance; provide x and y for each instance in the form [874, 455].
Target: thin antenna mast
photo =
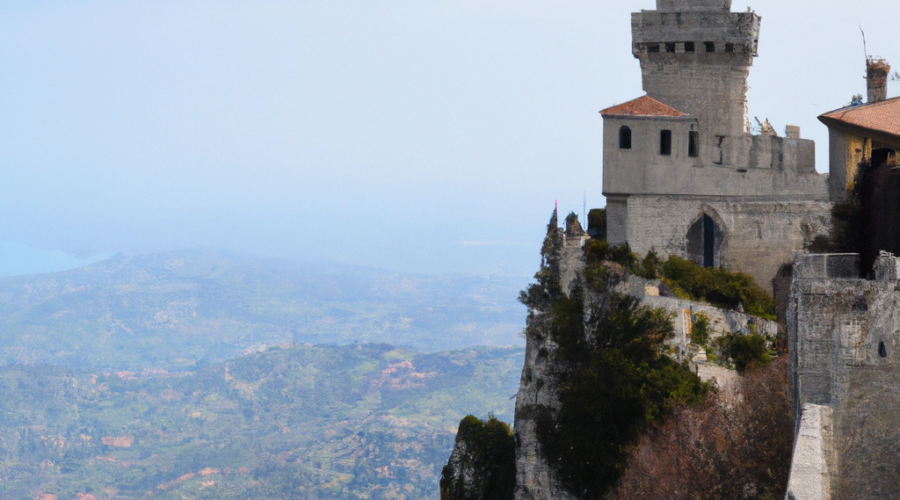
[865, 49]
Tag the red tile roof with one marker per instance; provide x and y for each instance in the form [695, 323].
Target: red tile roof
[881, 117]
[642, 106]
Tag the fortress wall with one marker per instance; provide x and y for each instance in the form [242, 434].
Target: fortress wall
[837, 326]
[758, 236]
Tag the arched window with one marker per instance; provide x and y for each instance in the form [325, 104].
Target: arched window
[624, 138]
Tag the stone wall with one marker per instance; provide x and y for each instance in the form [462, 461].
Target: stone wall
[765, 166]
[759, 236]
[845, 355]
[722, 321]
[710, 84]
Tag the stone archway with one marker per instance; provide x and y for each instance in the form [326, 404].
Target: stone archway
[705, 240]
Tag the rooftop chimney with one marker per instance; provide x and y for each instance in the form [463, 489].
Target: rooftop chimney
[877, 70]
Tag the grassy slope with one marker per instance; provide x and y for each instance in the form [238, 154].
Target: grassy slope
[366, 421]
[184, 310]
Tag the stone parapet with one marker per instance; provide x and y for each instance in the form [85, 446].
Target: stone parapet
[826, 266]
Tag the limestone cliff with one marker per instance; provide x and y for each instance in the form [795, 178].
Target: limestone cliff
[607, 356]
[560, 267]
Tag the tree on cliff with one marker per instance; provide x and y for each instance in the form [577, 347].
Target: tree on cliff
[722, 450]
[483, 463]
[613, 385]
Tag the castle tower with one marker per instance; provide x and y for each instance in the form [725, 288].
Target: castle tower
[695, 57]
[682, 172]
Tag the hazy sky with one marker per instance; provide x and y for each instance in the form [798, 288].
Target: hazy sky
[429, 136]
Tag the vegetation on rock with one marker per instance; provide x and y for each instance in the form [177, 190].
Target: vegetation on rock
[722, 450]
[700, 329]
[597, 223]
[719, 287]
[483, 463]
[613, 385]
[744, 352]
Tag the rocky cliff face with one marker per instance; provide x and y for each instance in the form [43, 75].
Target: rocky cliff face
[561, 268]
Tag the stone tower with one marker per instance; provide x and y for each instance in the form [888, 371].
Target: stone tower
[683, 173]
[695, 57]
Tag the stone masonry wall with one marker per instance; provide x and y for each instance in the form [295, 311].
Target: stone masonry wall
[758, 236]
[845, 354]
[722, 321]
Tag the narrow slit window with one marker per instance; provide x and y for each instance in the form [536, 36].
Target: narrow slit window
[694, 144]
[729, 47]
[670, 47]
[710, 46]
[653, 47]
[688, 46]
[882, 351]
[625, 138]
[665, 142]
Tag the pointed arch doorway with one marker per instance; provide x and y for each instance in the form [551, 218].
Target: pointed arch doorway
[704, 242]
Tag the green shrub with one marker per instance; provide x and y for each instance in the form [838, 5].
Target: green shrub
[700, 329]
[719, 287]
[650, 266]
[611, 390]
[487, 451]
[597, 223]
[596, 251]
[744, 351]
[623, 255]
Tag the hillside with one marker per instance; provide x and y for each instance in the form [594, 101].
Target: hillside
[185, 310]
[352, 422]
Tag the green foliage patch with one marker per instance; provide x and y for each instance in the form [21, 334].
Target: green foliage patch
[720, 287]
[744, 351]
[700, 329]
[489, 454]
[611, 389]
[597, 223]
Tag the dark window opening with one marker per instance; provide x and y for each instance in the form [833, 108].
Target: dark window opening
[861, 305]
[653, 47]
[670, 47]
[694, 144]
[688, 46]
[665, 142]
[882, 351]
[721, 139]
[729, 47]
[624, 138]
[710, 46]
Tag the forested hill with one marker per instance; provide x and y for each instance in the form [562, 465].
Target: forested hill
[354, 422]
[184, 310]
